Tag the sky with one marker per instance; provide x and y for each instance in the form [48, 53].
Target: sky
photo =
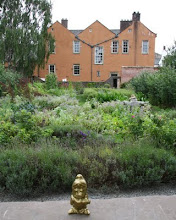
[157, 15]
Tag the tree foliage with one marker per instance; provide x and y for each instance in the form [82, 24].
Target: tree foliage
[170, 58]
[23, 34]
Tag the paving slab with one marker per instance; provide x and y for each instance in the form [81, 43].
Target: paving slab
[136, 208]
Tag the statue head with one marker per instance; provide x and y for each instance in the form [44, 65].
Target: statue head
[79, 187]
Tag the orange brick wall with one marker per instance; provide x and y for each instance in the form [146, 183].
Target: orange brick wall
[130, 72]
[98, 34]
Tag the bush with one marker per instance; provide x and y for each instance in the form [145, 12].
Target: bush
[7, 132]
[51, 102]
[107, 95]
[158, 87]
[90, 93]
[48, 167]
[26, 171]
[8, 81]
[145, 165]
[51, 81]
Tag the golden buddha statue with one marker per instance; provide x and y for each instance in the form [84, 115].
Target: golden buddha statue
[79, 198]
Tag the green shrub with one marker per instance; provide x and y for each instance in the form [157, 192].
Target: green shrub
[106, 85]
[145, 165]
[38, 88]
[90, 93]
[51, 102]
[8, 81]
[158, 87]
[7, 132]
[107, 95]
[28, 129]
[26, 105]
[26, 171]
[51, 81]
[161, 130]
[50, 166]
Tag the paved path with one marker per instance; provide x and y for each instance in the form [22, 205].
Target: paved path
[136, 208]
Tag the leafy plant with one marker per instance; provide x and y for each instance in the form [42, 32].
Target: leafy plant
[158, 87]
[8, 81]
[51, 81]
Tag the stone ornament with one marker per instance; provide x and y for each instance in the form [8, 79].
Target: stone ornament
[79, 198]
[133, 98]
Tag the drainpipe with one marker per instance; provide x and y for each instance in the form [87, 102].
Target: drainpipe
[135, 41]
[91, 62]
[38, 71]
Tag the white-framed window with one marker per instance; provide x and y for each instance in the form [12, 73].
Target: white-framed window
[52, 68]
[98, 73]
[145, 47]
[98, 55]
[125, 46]
[114, 46]
[76, 46]
[76, 69]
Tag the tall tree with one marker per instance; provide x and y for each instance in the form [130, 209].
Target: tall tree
[23, 34]
[170, 58]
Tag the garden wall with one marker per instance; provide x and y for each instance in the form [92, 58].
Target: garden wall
[128, 72]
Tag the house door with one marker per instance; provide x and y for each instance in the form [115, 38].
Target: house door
[114, 78]
[115, 83]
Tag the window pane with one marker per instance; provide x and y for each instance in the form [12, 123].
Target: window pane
[125, 46]
[76, 69]
[145, 46]
[76, 46]
[115, 45]
[51, 69]
[98, 55]
[98, 73]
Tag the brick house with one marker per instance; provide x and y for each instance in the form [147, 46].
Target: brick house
[98, 54]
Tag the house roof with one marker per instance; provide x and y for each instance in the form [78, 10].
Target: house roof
[77, 32]
[115, 31]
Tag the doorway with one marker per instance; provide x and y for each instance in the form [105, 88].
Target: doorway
[114, 82]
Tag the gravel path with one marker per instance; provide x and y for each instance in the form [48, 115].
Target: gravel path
[150, 191]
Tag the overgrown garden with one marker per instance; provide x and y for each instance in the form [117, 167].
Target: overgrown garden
[49, 133]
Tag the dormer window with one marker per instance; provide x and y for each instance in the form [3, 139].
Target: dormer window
[76, 46]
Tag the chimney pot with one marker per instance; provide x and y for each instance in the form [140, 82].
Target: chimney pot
[136, 16]
[64, 22]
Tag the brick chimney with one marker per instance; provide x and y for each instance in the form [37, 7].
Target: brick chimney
[124, 25]
[136, 16]
[64, 22]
